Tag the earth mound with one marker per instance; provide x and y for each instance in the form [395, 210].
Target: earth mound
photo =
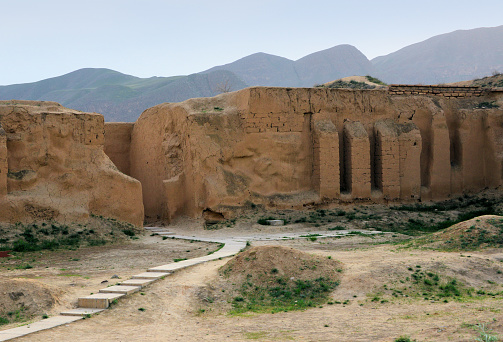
[479, 232]
[263, 261]
[355, 82]
[21, 299]
[276, 278]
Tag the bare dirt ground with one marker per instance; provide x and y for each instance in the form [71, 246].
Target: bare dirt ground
[172, 309]
[61, 276]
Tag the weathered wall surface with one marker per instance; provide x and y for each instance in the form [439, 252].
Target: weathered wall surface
[53, 167]
[289, 147]
[117, 144]
[437, 90]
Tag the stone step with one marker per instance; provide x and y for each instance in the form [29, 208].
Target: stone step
[81, 312]
[121, 289]
[154, 228]
[138, 282]
[165, 233]
[151, 275]
[175, 266]
[44, 324]
[98, 300]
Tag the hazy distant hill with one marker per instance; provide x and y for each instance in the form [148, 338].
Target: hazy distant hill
[334, 63]
[261, 69]
[117, 96]
[456, 56]
[451, 57]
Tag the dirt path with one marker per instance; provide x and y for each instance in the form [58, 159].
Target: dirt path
[70, 274]
[172, 309]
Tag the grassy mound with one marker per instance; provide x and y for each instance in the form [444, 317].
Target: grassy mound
[275, 278]
[479, 232]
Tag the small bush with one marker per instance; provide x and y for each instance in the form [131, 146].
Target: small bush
[129, 232]
[374, 80]
[403, 338]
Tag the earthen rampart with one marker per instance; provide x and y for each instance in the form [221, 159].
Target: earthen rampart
[53, 167]
[284, 147]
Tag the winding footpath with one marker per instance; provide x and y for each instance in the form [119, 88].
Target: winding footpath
[96, 303]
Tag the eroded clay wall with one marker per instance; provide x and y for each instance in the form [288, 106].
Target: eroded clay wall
[57, 169]
[326, 174]
[357, 160]
[4, 168]
[118, 143]
[283, 147]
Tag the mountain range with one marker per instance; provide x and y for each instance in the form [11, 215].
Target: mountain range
[456, 56]
[261, 69]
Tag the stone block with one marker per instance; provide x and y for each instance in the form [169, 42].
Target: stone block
[275, 222]
[151, 275]
[81, 312]
[120, 289]
[138, 282]
[98, 300]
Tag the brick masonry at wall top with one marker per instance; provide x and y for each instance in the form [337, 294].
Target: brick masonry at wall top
[444, 91]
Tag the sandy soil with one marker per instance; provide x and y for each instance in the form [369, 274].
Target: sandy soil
[172, 307]
[70, 274]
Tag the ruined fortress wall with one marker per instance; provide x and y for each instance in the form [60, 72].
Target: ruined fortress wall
[56, 168]
[286, 147]
[118, 143]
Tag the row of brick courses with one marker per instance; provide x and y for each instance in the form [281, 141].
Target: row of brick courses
[437, 90]
[273, 122]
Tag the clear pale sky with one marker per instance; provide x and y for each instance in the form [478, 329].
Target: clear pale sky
[47, 38]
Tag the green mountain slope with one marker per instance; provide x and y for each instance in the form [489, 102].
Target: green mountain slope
[117, 96]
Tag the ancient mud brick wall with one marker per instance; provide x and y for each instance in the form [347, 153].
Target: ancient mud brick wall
[326, 175]
[4, 168]
[276, 116]
[277, 122]
[56, 167]
[410, 144]
[387, 159]
[437, 90]
[281, 147]
[357, 159]
[118, 144]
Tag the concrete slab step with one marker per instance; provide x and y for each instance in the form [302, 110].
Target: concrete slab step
[175, 266]
[138, 282]
[98, 300]
[151, 275]
[121, 289]
[37, 326]
[81, 312]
